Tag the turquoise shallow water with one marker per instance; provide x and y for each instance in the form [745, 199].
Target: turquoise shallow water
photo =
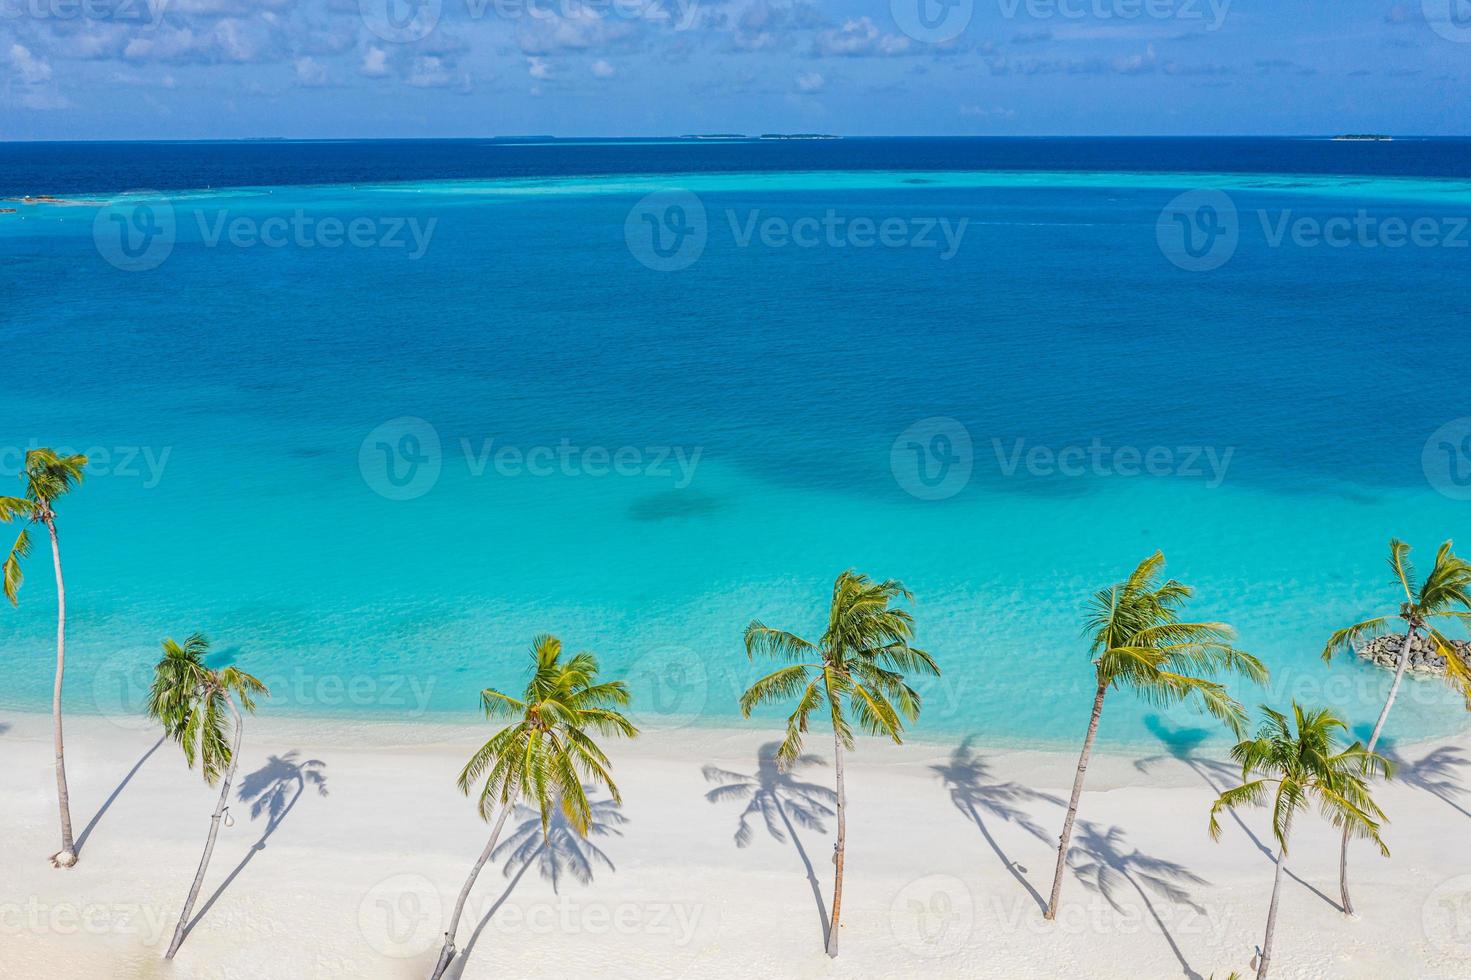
[762, 405]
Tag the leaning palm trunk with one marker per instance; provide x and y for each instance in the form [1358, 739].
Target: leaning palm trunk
[839, 848]
[67, 856]
[447, 953]
[209, 844]
[1072, 808]
[1399, 675]
[1261, 969]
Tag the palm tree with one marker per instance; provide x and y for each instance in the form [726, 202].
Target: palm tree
[1139, 643]
[48, 477]
[190, 700]
[1448, 585]
[1293, 765]
[544, 754]
[862, 657]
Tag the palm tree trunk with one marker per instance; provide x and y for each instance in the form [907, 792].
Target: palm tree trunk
[67, 856]
[1399, 675]
[1261, 969]
[209, 844]
[840, 847]
[447, 953]
[1072, 808]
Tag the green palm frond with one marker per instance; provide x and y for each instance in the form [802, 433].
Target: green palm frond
[776, 686]
[191, 701]
[1140, 642]
[1348, 639]
[50, 476]
[546, 754]
[1298, 762]
[775, 643]
[1399, 564]
[857, 668]
[11, 570]
[1447, 585]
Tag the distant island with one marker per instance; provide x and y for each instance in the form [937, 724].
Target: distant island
[715, 136]
[1363, 138]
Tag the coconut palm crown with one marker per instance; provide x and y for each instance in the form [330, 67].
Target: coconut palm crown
[861, 659]
[48, 476]
[1443, 595]
[546, 753]
[190, 700]
[1141, 644]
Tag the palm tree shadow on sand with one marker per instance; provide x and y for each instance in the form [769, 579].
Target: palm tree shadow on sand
[561, 853]
[782, 802]
[974, 792]
[1436, 772]
[1104, 862]
[1181, 745]
[107, 803]
[272, 790]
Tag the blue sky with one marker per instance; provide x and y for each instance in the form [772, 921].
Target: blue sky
[178, 69]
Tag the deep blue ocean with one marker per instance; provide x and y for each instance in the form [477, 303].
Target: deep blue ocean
[374, 414]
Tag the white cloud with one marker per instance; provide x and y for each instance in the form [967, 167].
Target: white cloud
[29, 68]
[810, 81]
[579, 29]
[538, 68]
[602, 69]
[310, 72]
[375, 63]
[858, 39]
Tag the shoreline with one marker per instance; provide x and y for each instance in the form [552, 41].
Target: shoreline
[433, 730]
[350, 865]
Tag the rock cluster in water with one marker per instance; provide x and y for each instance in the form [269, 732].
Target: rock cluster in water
[1425, 658]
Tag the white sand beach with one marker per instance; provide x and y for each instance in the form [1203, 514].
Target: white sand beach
[356, 873]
